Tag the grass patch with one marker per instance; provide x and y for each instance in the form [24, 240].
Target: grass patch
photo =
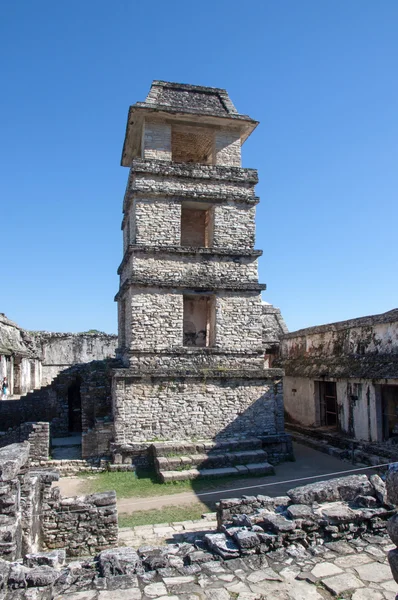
[167, 514]
[144, 485]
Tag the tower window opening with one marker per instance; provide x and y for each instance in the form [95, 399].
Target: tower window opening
[199, 321]
[192, 145]
[197, 225]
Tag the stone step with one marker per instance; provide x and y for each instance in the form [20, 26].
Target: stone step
[209, 461]
[185, 448]
[263, 468]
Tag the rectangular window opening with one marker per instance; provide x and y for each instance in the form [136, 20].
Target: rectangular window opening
[199, 321]
[192, 145]
[197, 225]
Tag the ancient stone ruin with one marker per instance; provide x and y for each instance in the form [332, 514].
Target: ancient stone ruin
[326, 537]
[189, 302]
[35, 517]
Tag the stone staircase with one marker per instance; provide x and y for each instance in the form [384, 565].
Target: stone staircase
[182, 460]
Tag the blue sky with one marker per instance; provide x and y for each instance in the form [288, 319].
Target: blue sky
[320, 76]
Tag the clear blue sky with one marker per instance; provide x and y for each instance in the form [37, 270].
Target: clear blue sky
[320, 76]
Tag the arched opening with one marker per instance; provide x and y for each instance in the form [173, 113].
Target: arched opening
[74, 408]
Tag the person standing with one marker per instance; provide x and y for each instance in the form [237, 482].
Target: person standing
[4, 389]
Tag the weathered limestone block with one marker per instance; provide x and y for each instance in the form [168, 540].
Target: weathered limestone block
[12, 458]
[119, 561]
[341, 488]
[222, 545]
[380, 488]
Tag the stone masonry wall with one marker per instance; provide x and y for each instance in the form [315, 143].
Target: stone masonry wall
[197, 359]
[157, 141]
[35, 516]
[238, 321]
[164, 268]
[377, 334]
[157, 222]
[37, 434]
[82, 525]
[59, 351]
[208, 182]
[182, 408]
[228, 148]
[234, 226]
[157, 321]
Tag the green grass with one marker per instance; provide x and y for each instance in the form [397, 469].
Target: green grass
[129, 485]
[167, 514]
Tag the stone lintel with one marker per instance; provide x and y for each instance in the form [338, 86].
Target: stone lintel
[203, 289]
[204, 253]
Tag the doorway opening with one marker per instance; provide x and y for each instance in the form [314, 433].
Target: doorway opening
[74, 408]
[327, 404]
[389, 402]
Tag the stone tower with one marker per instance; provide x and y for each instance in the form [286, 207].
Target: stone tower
[189, 302]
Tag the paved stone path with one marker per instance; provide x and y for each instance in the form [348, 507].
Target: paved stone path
[357, 570]
[181, 531]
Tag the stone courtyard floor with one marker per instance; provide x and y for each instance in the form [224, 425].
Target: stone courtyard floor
[357, 570]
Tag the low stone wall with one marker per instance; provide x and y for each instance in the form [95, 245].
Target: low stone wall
[35, 516]
[83, 525]
[37, 434]
[341, 508]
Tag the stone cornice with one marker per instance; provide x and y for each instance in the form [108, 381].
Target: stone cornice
[191, 288]
[195, 171]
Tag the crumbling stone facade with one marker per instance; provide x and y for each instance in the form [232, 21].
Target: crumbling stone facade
[189, 303]
[59, 351]
[345, 376]
[19, 358]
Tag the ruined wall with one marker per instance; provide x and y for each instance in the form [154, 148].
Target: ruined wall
[83, 525]
[59, 351]
[358, 355]
[34, 515]
[37, 434]
[377, 334]
[183, 408]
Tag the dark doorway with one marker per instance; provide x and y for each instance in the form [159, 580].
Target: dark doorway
[328, 403]
[389, 399]
[75, 408]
